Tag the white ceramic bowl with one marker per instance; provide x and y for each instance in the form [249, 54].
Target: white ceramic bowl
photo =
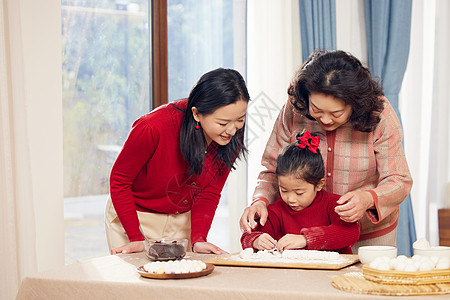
[439, 251]
[368, 253]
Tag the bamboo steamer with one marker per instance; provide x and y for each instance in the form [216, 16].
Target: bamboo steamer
[355, 282]
[402, 277]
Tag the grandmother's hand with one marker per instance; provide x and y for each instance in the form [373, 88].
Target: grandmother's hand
[353, 205]
[137, 246]
[252, 213]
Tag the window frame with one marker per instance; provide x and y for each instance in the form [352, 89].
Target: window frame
[159, 57]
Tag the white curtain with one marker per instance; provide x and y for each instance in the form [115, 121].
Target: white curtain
[14, 158]
[424, 103]
[273, 55]
[31, 214]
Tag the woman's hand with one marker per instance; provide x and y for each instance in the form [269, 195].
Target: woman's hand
[252, 213]
[264, 242]
[353, 205]
[291, 241]
[131, 247]
[205, 247]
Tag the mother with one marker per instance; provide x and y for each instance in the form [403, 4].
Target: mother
[334, 94]
[171, 170]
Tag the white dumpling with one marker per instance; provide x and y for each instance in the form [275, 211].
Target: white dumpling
[421, 243]
[411, 267]
[443, 263]
[384, 266]
[417, 257]
[426, 265]
[399, 265]
[392, 262]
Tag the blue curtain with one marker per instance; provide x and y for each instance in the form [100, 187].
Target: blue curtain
[317, 25]
[388, 25]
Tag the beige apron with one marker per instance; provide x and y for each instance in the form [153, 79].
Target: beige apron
[154, 225]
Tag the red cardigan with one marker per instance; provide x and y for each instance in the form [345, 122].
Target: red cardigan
[321, 226]
[151, 175]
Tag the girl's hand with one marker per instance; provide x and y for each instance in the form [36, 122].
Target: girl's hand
[205, 247]
[254, 211]
[264, 242]
[353, 205]
[291, 241]
[137, 246]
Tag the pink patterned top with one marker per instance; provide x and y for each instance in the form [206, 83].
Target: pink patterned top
[354, 160]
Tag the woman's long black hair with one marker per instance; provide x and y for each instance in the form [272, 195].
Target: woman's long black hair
[341, 75]
[217, 88]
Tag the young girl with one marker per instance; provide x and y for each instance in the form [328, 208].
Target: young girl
[171, 170]
[304, 216]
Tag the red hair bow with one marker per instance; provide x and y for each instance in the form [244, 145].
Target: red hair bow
[306, 140]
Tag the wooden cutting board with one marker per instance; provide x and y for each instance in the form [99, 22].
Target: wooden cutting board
[227, 260]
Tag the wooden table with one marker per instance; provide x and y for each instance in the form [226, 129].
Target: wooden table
[115, 277]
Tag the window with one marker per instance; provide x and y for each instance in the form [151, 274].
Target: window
[200, 38]
[204, 35]
[107, 85]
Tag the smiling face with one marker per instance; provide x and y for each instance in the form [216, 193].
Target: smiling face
[222, 124]
[297, 193]
[329, 111]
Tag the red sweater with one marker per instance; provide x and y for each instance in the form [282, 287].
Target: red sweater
[150, 174]
[321, 226]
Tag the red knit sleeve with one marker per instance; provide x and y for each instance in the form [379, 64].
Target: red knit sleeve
[272, 228]
[247, 239]
[337, 235]
[204, 207]
[135, 152]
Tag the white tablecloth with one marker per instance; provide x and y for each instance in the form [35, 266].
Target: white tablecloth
[115, 277]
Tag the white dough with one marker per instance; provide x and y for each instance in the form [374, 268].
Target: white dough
[311, 254]
[246, 253]
[290, 255]
[421, 243]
